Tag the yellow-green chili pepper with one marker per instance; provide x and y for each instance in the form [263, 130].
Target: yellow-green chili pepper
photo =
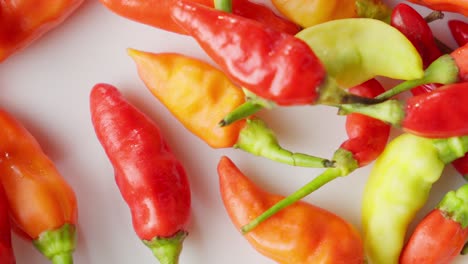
[398, 187]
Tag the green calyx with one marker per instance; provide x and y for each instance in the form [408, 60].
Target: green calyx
[390, 111]
[375, 9]
[256, 138]
[451, 148]
[454, 205]
[223, 5]
[167, 249]
[58, 245]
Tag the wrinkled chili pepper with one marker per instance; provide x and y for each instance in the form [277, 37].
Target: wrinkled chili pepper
[7, 255]
[42, 205]
[440, 236]
[398, 187]
[22, 22]
[367, 139]
[459, 6]
[197, 94]
[152, 181]
[156, 13]
[459, 30]
[302, 233]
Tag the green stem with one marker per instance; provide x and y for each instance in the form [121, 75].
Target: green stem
[223, 5]
[256, 138]
[454, 205]
[375, 9]
[58, 245]
[62, 258]
[451, 148]
[332, 94]
[167, 249]
[443, 71]
[245, 110]
[390, 111]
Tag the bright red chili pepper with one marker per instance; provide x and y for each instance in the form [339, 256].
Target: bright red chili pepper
[6, 250]
[459, 30]
[156, 13]
[150, 178]
[441, 235]
[458, 6]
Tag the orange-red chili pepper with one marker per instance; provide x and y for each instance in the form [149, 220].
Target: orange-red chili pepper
[6, 249]
[24, 21]
[301, 233]
[458, 6]
[42, 204]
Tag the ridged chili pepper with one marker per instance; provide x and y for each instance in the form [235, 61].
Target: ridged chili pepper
[152, 181]
[198, 94]
[367, 139]
[459, 30]
[302, 233]
[442, 233]
[398, 187]
[42, 205]
[156, 13]
[459, 6]
[7, 255]
[23, 21]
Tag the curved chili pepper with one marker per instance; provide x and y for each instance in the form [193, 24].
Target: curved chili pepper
[198, 94]
[22, 22]
[6, 249]
[152, 181]
[459, 6]
[398, 187]
[156, 13]
[301, 234]
[459, 30]
[42, 205]
[442, 233]
[367, 139]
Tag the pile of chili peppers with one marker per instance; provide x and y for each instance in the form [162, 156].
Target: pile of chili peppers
[301, 53]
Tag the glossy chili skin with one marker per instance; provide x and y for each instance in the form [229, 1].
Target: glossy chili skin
[408, 21]
[459, 6]
[272, 64]
[6, 249]
[459, 30]
[461, 166]
[24, 21]
[300, 233]
[156, 13]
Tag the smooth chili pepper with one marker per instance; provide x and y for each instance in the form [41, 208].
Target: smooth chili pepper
[7, 255]
[42, 205]
[156, 13]
[458, 6]
[440, 236]
[152, 181]
[198, 95]
[398, 187]
[459, 30]
[302, 233]
[461, 166]
[24, 21]
[367, 139]
[441, 113]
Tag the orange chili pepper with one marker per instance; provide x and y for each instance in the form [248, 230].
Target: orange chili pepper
[301, 233]
[458, 6]
[42, 205]
[24, 21]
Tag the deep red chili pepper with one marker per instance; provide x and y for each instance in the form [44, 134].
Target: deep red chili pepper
[272, 64]
[6, 250]
[459, 30]
[461, 166]
[150, 178]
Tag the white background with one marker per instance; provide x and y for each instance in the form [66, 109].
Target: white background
[46, 86]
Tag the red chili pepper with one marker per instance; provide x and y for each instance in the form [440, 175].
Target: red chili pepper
[6, 250]
[150, 178]
[441, 235]
[461, 166]
[459, 30]
[458, 6]
[156, 13]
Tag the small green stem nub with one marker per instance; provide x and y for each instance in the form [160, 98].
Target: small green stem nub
[390, 111]
[245, 110]
[58, 245]
[256, 138]
[167, 249]
[454, 205]
[223, 5]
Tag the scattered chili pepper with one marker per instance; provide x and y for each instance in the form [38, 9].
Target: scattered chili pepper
[461, 166]
[198, 94]
[156, 13]
[22, 22]
[460, 6]
[398, 187]
[42, 205]
[151, 180]
[459, 30]
[6, 249]
[367, 139]
[302, 233]
[442, 233]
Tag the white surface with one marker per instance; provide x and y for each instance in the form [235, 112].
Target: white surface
[46, 86]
